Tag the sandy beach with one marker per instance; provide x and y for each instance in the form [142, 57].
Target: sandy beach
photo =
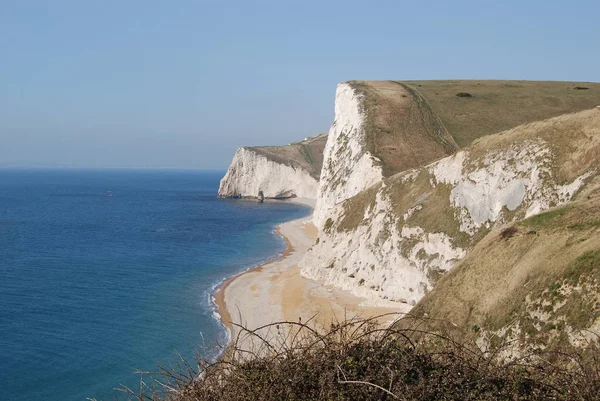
[277, 292]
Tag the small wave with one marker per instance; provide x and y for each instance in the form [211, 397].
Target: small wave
[210, 295]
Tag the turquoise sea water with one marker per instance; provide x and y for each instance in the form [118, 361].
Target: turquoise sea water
[103, 272]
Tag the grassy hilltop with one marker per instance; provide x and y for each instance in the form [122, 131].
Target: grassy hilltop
[411, 123]
[496, 106]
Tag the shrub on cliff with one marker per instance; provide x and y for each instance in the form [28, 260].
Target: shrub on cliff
[357, 361]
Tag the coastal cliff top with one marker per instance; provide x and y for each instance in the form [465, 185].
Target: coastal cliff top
[410, 123]
[307, 154]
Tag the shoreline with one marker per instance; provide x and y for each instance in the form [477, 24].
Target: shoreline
[219, 292]
[275, 291]
[217, 296]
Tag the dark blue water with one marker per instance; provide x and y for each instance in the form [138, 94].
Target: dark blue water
[94, 286]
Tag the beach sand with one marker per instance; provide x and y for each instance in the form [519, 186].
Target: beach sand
[277, 292]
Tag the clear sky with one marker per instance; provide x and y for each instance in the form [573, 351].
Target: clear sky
[179, 83]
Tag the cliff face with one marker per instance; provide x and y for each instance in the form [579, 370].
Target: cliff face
[279, 171]
[380, 129]
[251, 172]
[348, 166]
[394, 240]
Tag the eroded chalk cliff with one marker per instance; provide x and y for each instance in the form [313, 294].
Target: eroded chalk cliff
[380, 128]
[349, 166]
[392, 241]
[278, 171]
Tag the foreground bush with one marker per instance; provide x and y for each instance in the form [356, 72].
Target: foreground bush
[356, 360]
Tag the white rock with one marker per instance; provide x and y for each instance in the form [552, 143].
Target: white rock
[510, 178]
[348, 167]
[369, 262]
[250, 172]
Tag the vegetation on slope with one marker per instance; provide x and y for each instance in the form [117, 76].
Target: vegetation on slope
[402, 131]
[496, 106]
[307, 154]
[535, 283]
[356, 360]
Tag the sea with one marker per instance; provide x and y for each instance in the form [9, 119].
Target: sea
[105, 273]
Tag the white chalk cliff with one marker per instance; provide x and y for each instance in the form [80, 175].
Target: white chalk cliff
[348, 167]
[278, 171]
[251, 172]
[392, 241]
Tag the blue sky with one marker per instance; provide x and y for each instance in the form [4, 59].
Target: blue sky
[184, 83]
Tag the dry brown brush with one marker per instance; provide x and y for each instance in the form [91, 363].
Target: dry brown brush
[359, 360]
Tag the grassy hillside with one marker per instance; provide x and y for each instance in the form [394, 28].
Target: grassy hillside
[401, 128]
[496, 106]
[536, 282]
[411, 123]
[307, 154]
